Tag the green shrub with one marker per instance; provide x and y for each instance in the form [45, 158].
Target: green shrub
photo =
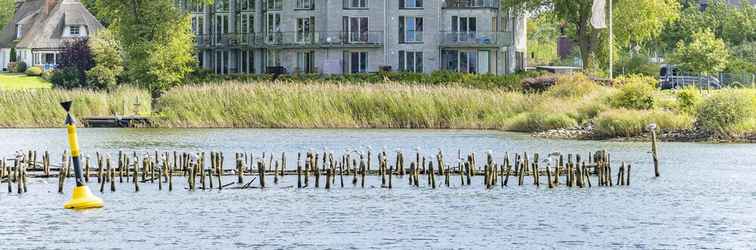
[66, 78]
[21, 67]
[540, 121]
[33, 71]
[47, 75]
[572, 85]
[725, 112]
[638, 64]
[628, 123]
[688, 99]
[636, 92]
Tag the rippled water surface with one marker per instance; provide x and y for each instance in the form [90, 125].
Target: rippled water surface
[706, 198]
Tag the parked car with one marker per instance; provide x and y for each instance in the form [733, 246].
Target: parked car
[672, 78]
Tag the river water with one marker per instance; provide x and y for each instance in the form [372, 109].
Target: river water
[706, 198]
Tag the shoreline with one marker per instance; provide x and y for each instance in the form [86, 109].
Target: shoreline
[690, 136]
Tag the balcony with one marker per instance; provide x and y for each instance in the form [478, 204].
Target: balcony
[470, 4]
[476, 39]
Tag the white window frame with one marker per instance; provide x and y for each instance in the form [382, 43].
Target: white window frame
[356, 4]
[305, 4]
[407, 5]
[357, 36]
[76, 28]
[305, 29]
[414, 65]
[415, 34]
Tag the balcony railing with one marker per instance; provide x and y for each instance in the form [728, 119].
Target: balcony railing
[471, 4]
[293, 39]
[476, 39]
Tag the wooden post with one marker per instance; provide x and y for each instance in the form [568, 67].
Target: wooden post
[111, 175]
[363, 169]
[135, 175]
[261, 171]
[432, 175]
[61, 173]
[628, 175]
[654, 152]
[219, 157]
[548, 177]
[299, 170]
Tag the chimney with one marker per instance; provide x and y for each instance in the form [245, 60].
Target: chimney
[49, 5]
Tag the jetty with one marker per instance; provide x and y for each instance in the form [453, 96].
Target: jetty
[131, 121]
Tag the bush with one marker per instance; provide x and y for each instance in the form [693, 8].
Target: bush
[540, 121]
[47, 75]
[572, 85]
[33, 71]
[628, 123]
[725, 112]
[66, 78]
[688, 99]
[636, 92]
[639, 64]
[21, 67]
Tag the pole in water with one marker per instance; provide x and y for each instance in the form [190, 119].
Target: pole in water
[82, 197]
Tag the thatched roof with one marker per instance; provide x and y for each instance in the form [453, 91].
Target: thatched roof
[42, 31]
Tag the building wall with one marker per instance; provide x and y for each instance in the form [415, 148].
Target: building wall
[383, 25]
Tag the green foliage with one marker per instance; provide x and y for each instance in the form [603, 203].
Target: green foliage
[47, 75]
[637, 65]
[725, 112]
[628, 123]
[33, 71]
[21, 67]
[705, 54]
[108, 61]
[157, 41]
[7, 11]
[742, 58]
[635, 21]
[66, 78]
[13, 55]
[636, 92]
[437, 78]
[688, 99]
[543, 32]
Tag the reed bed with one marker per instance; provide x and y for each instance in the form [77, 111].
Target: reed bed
[270, 105]
[40, 108]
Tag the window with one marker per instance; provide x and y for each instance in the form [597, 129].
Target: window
[221, 5]
[356, 28]
[247, 61]
[221, 27]
[463, 28]
[274, 28]
[74, 30]
[411, 61]
[410, 4]
[305, 29]
[355, 62]
[198, 24]
[306, 62]
[274, 4]
[221, 62]
[355, 4]
[464, 61]
[246, 5]
[245, 26]
[274, 58]
[305, 4]
[410, 29]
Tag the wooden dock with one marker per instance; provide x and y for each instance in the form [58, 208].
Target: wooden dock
[116, 121]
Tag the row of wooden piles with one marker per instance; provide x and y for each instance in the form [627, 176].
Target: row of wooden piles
[205, 171]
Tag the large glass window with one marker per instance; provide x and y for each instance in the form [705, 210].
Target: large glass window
[410, 29]
[245, 26]
[410, 4]
[274, 27]
[305, 29]
[306, 61]
[221, 5]
[356, 61]
[464, 61]
[305, 4]
[355, 4]
[356, 28]
[247, 61]
[246, 5]
[274, 4]
[411, 61]
[463, 28]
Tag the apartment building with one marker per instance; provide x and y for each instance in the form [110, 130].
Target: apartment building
[356, 36]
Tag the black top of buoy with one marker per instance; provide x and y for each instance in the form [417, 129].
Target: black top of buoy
[66, 105]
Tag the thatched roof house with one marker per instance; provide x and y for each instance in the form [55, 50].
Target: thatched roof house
[40, 28]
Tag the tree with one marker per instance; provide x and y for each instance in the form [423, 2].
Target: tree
[7, 11]
[107, 58]
[705, 54]
[76, 58]
[734, 25]
[156, 38]
[635, 21]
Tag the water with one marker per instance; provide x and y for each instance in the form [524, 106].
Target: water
[706, 198]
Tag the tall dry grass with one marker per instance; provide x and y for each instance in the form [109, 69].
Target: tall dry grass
[41, 107]
[264, 104]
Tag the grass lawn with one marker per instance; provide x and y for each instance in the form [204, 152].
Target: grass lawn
[9, 81]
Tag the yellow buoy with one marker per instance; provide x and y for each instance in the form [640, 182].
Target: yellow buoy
[81, 198]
